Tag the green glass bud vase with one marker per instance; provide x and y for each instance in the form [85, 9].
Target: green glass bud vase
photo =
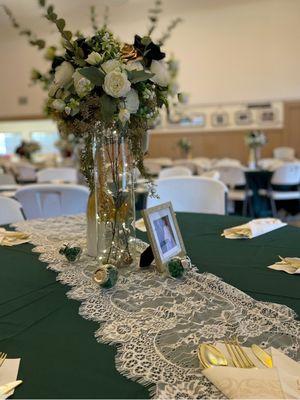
[106, 276]
[175, 267]
[72, 254]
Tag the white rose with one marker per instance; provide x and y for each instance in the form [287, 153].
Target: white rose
[134, 66]
[110, 65]
[58, 105]
[124, 115]
[132, 101]
[116, 84]
[94, 58]
[161, 73]
[82, 85]
[63, 74]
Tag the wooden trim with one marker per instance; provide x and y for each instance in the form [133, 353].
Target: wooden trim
[23, 117]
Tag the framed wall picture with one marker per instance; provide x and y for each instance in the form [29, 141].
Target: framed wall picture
[268, 115]
[164, 234]
[243, 117]
[219, 119]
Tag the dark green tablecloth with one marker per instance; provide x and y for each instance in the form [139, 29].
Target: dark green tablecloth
[60, 356]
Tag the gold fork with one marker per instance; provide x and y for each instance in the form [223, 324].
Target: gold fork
[2, 358]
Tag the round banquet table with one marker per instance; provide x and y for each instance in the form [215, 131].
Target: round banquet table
[60, 358]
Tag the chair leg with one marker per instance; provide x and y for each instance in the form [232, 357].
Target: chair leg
[273, 206]
[245, 204]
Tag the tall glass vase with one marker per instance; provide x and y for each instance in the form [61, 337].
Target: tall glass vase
[254, 156]
[114, 198]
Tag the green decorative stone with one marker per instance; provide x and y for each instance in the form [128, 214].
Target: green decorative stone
[175, 267]
[72, 254]
[106, 276]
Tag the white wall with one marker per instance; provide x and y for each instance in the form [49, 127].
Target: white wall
[229, 50]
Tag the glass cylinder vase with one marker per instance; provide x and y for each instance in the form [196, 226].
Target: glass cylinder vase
[254, 156]
[114, 196]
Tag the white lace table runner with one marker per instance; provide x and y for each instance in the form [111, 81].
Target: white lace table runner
[158, 322]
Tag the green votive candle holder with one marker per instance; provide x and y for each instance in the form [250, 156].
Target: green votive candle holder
[72, 253]
[106, 276]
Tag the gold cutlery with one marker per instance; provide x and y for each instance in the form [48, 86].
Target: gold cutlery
[8, 387]
[262, 356]
[210, 356]
[239, 357]
[2, 358]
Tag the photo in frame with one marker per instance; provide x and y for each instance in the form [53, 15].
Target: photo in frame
[164, 234]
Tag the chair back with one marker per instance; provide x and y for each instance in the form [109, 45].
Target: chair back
[212, 174]
[191, 194]
[7, 179]
[48, 200]
[10, 211]
[174, 171]
[152, 167]
[232, 176]
[26, 173]
[185, 163]
[287, 174]
[226, 162]
[57, 174]
[284, 153]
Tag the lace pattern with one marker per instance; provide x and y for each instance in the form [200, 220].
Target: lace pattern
[158, 322]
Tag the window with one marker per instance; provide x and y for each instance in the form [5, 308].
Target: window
[9, 141]
[46, 140]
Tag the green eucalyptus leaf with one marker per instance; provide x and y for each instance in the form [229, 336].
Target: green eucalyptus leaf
[108, 107]
[146, 40]
[42, 3]
[139, 76]
[60, 23]
[50, 9]
[68, 35]
[93, 74]
[40, 43]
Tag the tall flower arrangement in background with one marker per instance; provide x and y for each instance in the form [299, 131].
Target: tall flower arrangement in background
[100, 78]
[107, 94]
[255, 140]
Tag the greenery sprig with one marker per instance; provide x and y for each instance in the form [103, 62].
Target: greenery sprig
[93, 18]
[32, 37]
[153, 16]
[169, 31]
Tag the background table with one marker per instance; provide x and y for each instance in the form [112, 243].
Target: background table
[60, 356]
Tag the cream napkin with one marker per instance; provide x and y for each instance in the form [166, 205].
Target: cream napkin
[12, 238]
[280, 382]
[291, 265]
[254, 228]
[9, 373]
[140, 225]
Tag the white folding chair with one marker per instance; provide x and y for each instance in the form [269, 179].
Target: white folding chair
[286, 175]
[226, 162]
[234, 176]
[57, 174]
[174, 171]
[185, 163]
[49, 200]
[191, 194]
[270, 164]
[10, 211]
[284, 153]
[152, 167]
[212, 174]
[26, 173]
[7, 179]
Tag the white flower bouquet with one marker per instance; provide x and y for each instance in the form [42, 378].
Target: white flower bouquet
[255, 139]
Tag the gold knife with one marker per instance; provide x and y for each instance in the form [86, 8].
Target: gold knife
[262, 355]
[8, 387]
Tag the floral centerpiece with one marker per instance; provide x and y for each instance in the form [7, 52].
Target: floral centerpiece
[255, 140]
[108, 94]
[185, 146]
[27, 149]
